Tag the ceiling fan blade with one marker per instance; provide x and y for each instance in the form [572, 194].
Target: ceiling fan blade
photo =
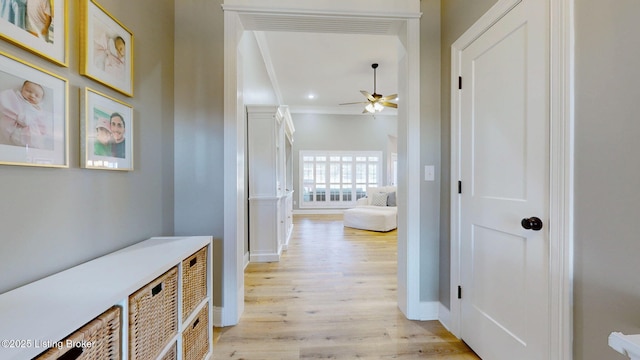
[368, 96]
[388, 97]
[352, 103]
[388, 104]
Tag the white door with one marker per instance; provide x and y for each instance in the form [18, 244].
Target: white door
[504, 149]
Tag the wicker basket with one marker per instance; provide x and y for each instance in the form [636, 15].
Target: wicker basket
[97, 340]
[172, 354]
[195, 337]
[153, 316]
[194, 281]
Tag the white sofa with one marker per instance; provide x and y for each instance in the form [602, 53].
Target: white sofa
[376, 212]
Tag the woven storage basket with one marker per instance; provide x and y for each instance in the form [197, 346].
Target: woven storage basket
[172, 354]
[153, 316]
[195, 337]
[194, 281]
[97, 340]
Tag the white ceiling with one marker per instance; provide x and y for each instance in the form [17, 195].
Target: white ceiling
[332, 67]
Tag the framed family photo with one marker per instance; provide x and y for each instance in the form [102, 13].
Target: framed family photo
[34, 115]
[39, 26]
[106, 132]
[106, 53]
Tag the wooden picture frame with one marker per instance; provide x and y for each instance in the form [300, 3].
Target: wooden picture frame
[34, 115]
[106, 53]
[41, 30]
[106, 132]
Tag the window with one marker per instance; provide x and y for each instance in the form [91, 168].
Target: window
[334, 179]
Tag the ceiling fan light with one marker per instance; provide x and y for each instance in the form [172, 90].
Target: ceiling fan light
[378, 107]
[370, 108]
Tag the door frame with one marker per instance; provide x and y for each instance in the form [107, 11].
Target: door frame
[237, 20]
[561, 164]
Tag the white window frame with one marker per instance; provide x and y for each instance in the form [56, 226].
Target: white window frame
[327, 202]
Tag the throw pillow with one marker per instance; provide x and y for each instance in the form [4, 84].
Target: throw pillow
[379, 199]
[391, 199]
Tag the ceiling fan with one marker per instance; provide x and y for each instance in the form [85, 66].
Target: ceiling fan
[375, 102]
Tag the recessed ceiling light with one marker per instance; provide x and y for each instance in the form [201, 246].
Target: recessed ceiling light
[311, 96]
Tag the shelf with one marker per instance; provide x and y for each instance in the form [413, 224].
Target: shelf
[56, 306]
[626, 344]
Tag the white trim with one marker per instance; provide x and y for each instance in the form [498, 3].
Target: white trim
[234, 176]
[217, 316]
[408, 32]
[561, 169]
[562, 165]
[263, 46]
[321, 13]
[428, 310]
[409, 271]
[444, 316]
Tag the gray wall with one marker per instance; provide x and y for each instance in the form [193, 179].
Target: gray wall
[199, 93]
[607, 285]
[340, 132]
[430, 134]
[53, 219]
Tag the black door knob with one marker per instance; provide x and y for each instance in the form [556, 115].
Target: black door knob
[532, 223]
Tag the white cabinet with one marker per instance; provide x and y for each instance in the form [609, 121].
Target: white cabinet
[47, 311]
[270, 134]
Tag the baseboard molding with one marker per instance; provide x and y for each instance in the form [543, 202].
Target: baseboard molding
[217, 316]
[444, 315]
[318, 211]
[246, 260]
[428, 310]
[265, 257]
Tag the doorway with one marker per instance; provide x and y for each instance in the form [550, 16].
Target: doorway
[406, 27]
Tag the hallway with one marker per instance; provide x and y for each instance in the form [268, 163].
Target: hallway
[332, 296]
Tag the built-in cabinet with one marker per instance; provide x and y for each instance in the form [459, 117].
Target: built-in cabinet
[270, 137]
[153, 300]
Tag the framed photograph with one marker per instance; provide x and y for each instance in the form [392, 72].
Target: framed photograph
[34, 115]
[39, 26]
[106, 53]
[106, 132]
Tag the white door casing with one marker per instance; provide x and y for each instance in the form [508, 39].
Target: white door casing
[516, 283]
[243, 16]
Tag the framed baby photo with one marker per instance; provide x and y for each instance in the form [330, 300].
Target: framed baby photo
[39, 26]
[106, 132]
[106, 53]
[34, 115]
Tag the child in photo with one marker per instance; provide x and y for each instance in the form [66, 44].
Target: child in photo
[102, 144]
[39, 17]
[23, 121]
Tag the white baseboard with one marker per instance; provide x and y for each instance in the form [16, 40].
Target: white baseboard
[444, 315]
[217, 316]
[246, 260]
[318, 211]
[428, 310]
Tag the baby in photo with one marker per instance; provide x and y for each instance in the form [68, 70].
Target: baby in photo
[23, 121]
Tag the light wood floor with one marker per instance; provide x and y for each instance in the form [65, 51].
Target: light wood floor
[331, 296]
